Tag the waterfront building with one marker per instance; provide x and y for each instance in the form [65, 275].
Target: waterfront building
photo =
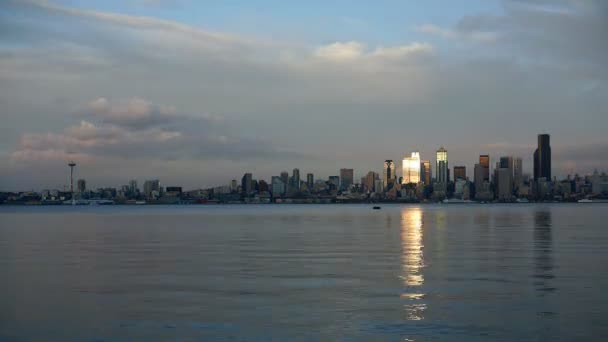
[285, 180]
[411, 169]
[347, 177]
[542, 158]
[441, 167]
[152, 188]
[388, 174]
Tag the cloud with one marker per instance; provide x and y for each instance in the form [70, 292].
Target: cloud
[137, 129]
[447, 33]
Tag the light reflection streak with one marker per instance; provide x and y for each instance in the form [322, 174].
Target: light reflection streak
[412, 261]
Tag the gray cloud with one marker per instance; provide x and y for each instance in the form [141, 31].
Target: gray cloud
[504, 78]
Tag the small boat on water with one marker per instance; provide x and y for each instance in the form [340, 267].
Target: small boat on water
[376, 208]
[585, 200]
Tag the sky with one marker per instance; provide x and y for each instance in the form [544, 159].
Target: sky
[196, 93]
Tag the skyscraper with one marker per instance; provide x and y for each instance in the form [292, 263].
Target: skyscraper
[425, 172]
[369, 181]
[347, 177]
[484, 162]
[285, 180]
[310, 180]
[460, 172]
[441, 168]
[334, 182]
[411, 168]
[277, 186]
[246, 183]
[517, 172]
[133, 189]
[296, 179]
[388, 175]
[152, 188]
[542, 158]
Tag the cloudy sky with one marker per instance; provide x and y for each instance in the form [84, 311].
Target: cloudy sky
[196, 93]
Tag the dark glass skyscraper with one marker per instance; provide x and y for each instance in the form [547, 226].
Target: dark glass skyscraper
[542, 158]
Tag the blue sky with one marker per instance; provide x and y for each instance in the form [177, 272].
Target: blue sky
[198, 92]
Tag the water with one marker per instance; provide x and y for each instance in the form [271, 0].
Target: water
[304, 272]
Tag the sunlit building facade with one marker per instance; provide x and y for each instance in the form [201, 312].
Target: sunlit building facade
[411, 169]
[441, 168]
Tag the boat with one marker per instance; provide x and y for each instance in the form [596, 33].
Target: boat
[585, 200]
[377, 208]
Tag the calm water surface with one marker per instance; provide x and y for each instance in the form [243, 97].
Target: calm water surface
[304, 272]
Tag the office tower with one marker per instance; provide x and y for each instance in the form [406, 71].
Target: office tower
[388, 174]
[542, 158]
[441, 168]
[82, 185]
[480, 176]
[411, 169]
[505, 183]
[517, 172]
[484, 162]
[152, 188]
[285, 179]
[425, 172]
[347, 177]
[246, 184]
[310, 181]
[506, 163]
[295, 179]
[278, 187]
[133, 189]
[460, 172]
[262, 186]
[334, 182]
[369, 181]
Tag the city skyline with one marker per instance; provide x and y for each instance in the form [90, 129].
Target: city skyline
[196, 93]
[413, 171]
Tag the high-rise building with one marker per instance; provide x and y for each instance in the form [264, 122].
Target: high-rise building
[295, 179]
[388, 175]
[460, 172]
[518, 176]
[310, 181]
[82, 185]
[505, 183]
[506, 163]
[425, 172]
[285, 179]
[347, 177]
[277, 186]
[542, 158]
[479, 174]
[411, 169]
[369, 181]
[247, 183]
[233, 186]
[133, 189]
[441, 168]
[152, 188]
[484, 162]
